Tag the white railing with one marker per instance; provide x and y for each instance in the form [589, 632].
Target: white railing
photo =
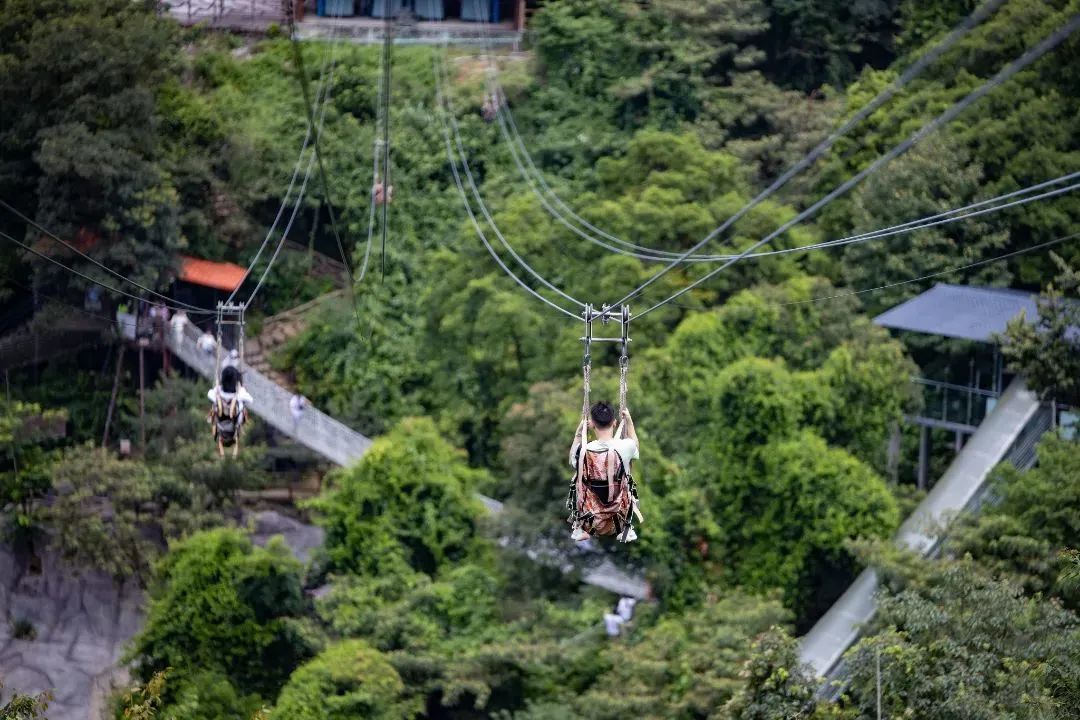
[316, 430]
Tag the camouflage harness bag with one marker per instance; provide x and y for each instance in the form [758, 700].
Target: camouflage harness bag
[602, 493]
[225, 418]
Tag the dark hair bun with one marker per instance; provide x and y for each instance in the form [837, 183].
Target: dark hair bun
[603, 415]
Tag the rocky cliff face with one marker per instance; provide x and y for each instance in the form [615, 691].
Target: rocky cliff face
[72, 627]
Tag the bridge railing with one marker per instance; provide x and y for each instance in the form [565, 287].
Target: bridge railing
[317, 430]
[952, 406]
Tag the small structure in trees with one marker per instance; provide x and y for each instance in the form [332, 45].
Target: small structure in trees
[973, 319]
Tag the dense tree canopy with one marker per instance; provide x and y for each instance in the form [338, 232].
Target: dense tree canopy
[221, 604]
[770, 408]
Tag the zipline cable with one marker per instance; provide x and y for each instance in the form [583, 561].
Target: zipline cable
[43, 256]
[292, 183]
[509, 128]
[303, 186]
[444, 101]
[468, 206]
[923, 223]
[375, 157]
[123, 277]
[103, 266]
[1033, 54]
[298, 57]
[949, 271]
[388, 58]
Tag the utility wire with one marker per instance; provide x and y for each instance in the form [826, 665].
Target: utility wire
[441, 80]
[1047, 44]
[509, 127]
[86, 257]
[468, 206]
[949, 271]
[84, 276]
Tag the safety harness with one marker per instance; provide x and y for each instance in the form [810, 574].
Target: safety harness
[603, 499]
[226, 415]
[226, 418]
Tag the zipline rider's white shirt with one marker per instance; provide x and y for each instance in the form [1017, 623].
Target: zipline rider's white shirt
[241, 394]
[626, 447]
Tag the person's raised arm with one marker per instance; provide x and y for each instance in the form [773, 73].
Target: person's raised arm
[575, 446]
[628, 425]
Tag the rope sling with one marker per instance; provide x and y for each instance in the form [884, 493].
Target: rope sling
[576, 496]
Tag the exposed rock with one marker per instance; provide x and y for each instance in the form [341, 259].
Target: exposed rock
[301, 538]
[82, 623]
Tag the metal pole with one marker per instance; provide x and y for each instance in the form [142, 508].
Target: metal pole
[112, 400]
[142, 398]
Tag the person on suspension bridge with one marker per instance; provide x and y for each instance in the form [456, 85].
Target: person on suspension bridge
[229, 401]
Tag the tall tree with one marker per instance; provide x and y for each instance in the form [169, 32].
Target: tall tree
[78, 138]
[220, 604]
[1046, 349]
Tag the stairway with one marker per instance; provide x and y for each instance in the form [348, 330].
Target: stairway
[344, 446]
[277, 331]
[1010, 432]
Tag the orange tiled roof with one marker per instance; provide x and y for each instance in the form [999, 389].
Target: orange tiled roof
[217, 275]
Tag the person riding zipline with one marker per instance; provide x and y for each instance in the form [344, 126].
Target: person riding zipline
[228, 409]
[605, 501]
[383, 195]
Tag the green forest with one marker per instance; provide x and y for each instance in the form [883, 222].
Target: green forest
[779, 455]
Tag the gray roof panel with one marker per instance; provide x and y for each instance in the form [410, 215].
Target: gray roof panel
[959, 311]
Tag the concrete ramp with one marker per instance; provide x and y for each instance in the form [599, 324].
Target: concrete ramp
[1009, 432]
